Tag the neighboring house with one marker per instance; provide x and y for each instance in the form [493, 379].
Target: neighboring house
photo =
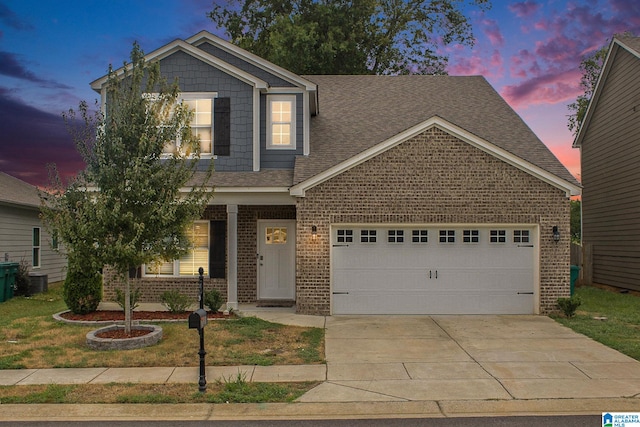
[22, 236]
[365, 194]
[609, 142]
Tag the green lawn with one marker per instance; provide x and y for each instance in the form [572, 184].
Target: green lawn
[620, 330]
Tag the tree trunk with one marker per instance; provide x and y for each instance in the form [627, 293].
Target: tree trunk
[127, 305]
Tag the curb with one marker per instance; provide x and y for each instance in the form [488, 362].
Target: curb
[313, 411]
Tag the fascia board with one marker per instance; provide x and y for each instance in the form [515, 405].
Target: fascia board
[299, 190]
[178, 45]
[613, 49]
[272, 68]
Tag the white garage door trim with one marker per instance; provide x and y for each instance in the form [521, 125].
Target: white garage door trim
[466, 270]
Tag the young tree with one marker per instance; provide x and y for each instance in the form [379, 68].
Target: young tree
[349, 36]
[127, 208]
[590, 66]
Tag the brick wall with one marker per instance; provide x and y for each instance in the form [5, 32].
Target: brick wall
[152, 287]
[432, 178]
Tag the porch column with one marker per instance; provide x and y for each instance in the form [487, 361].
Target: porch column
[232, 254]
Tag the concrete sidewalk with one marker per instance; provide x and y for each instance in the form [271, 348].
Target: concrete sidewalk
[392, 366]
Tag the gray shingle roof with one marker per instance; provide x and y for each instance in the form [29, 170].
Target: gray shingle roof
[359, 112]
[16, 192]
[631, 42]
[263, 178]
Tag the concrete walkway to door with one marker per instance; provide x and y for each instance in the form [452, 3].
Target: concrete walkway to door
[468, 358]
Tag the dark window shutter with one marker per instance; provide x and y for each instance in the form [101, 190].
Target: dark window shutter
[135, 272]
[222, 127]
[218, 249]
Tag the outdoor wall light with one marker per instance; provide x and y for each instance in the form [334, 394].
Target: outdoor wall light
[556, 234]
[314, 232]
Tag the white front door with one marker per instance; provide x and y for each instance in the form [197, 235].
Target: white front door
[276, 259]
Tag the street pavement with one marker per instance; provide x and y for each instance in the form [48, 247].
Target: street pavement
[391, 367]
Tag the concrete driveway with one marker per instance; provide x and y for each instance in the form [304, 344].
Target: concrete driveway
[436, 358]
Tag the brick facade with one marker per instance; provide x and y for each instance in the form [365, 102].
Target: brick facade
[151, 287]
[431, 178]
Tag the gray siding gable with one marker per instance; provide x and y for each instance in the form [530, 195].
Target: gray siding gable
[194, 75]
[274, 81]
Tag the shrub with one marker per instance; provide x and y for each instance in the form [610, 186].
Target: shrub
[22, 279]
[175, 301]
[82, 291]
[569, 305]
[134, 298]
[213, 300]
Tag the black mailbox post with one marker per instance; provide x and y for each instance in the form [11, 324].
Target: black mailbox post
[198, 320]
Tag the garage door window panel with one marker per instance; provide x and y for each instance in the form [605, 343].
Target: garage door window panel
[420, 236]
[521, 236]
[344, 236]
[498, 236]
[396, 236]
[447, 236]
[471, 236]
[368, 236]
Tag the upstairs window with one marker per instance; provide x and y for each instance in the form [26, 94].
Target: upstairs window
[210, 124]
[281, 126]
[202, 121]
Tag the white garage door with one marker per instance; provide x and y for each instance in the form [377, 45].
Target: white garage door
[433, 270]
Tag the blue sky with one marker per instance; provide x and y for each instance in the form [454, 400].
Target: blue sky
[51, 50]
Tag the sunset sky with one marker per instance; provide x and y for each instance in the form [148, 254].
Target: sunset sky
[51, 50]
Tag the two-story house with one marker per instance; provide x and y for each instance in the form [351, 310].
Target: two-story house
[609, 154]
[365, 194]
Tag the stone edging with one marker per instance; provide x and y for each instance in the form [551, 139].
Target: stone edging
[97, 343]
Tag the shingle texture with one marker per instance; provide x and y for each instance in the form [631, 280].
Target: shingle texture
[17, 192]
[631, 42]
[358, 112]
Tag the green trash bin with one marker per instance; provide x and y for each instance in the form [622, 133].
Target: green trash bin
[8, 272]
[575, 271]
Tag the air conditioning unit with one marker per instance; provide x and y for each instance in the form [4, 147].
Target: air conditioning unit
[38, 283]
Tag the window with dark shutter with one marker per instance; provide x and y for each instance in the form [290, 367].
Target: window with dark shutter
[218, 249]
[222, 127]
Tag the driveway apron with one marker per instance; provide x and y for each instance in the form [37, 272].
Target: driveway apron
[408, 358]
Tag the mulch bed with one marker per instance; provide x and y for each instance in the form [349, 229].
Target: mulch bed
[117, 315]
[121, 334]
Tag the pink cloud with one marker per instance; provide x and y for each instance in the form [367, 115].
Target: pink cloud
[472, 65]
[493, 33]
[549, 88]
[491, 66]
[524, 9]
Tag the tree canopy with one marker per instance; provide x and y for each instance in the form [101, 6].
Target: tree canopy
[127, 207]
[349, 36]
[591, 65]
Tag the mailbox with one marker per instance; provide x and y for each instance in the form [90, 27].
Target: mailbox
[198, 319]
